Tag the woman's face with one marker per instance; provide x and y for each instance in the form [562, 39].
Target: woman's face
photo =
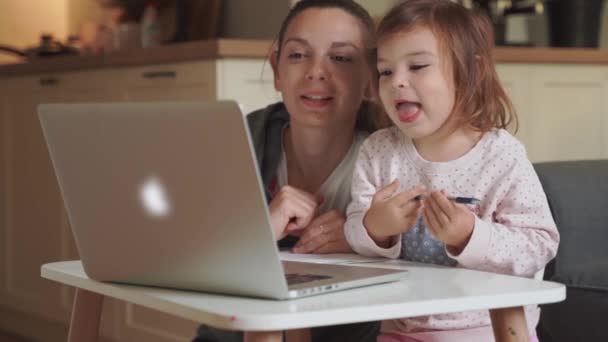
[322, 70]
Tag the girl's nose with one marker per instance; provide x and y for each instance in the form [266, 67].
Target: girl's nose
[399, 82]
[312, 76]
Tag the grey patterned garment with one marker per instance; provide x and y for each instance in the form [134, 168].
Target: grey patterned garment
[419, 245]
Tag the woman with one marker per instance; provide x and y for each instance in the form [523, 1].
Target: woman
[306, 146]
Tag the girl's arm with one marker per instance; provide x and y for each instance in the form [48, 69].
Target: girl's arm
[519, 237]
[365, 182]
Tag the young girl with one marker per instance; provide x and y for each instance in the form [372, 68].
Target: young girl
[448, 145]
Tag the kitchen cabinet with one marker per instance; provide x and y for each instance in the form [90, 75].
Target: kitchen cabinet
[563, 109]
[515, 79]
[563, 114]
[34, 229]
[34, 226]
[569, 113]
[247, 80]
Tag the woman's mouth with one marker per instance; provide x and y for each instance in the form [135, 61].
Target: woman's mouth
[407, 111]
[315, 100]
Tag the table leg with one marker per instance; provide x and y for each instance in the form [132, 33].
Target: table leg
[296, 335]
[509, 325]
[263, 336]
[86, 314]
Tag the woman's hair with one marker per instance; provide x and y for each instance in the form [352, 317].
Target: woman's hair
[466, 37]
[368, 113]
[348, 6]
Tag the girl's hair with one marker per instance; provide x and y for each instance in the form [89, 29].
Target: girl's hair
[369, 117]
[465, 36]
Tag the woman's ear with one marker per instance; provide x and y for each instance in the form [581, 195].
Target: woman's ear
[274, 63]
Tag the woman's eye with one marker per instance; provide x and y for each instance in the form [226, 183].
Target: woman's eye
[295, 55]
[416, 67]
[384, 72]
[342, 59]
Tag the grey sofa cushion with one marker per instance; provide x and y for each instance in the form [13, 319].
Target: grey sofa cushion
[581, 317]
[578, 195]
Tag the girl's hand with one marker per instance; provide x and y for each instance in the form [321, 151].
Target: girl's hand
[291, 209]
[392, 215]
[325, 234]
[450, 222]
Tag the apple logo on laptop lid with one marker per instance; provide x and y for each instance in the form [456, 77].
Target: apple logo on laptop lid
[154, 198]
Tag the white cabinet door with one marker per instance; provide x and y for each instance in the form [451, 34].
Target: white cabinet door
[515, 80]
[568, 113]
[34, 210]
[188, 81]
[35, 228]
[247, 81]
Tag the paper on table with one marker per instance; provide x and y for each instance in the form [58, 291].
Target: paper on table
[340, 258]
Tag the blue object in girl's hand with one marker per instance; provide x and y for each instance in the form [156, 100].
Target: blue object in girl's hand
[459, 199]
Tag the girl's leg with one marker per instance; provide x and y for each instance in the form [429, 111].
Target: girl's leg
[509, 325]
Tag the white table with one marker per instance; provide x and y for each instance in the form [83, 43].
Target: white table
[427, 290]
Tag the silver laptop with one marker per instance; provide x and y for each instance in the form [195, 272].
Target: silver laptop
[169, 195]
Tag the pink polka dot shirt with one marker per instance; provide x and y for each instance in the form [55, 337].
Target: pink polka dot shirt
[514, 231]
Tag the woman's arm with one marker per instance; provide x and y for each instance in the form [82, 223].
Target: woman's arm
[324, 235]
[291, 210]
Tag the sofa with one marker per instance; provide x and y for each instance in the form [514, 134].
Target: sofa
[577, 192]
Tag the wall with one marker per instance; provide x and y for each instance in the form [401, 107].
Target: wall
[604, 34]
[81, 12]
[252, 19]
[377, 8]
[22, 21]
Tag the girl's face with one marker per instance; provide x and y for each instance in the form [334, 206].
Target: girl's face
[415, 84]
[322, 70]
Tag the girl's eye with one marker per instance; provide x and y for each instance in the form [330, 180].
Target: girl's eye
[416, 67]
[342, 59]
[385, 72]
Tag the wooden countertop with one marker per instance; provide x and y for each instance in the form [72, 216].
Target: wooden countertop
[233, 48]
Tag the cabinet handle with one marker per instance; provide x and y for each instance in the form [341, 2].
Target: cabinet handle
[159, 74]
[48, 81]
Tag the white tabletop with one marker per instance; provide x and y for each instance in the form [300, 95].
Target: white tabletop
[426, 290]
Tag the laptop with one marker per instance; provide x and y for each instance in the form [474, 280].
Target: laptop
[169, 195]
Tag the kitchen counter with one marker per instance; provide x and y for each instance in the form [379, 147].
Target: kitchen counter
[233, 48]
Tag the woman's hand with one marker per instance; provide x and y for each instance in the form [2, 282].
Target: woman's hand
[391, 214]
[325, 234]
[450, 222]
[290, 210]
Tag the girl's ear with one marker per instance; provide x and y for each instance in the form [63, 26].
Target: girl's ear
[274, 63]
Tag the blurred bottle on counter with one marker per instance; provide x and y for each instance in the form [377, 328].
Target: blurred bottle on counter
[150, 25]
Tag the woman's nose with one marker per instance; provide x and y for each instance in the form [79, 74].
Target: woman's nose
[317, 71]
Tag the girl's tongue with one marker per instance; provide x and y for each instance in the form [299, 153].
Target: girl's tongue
[408, 111]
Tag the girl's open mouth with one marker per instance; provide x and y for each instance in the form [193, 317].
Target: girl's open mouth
[407, 111]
